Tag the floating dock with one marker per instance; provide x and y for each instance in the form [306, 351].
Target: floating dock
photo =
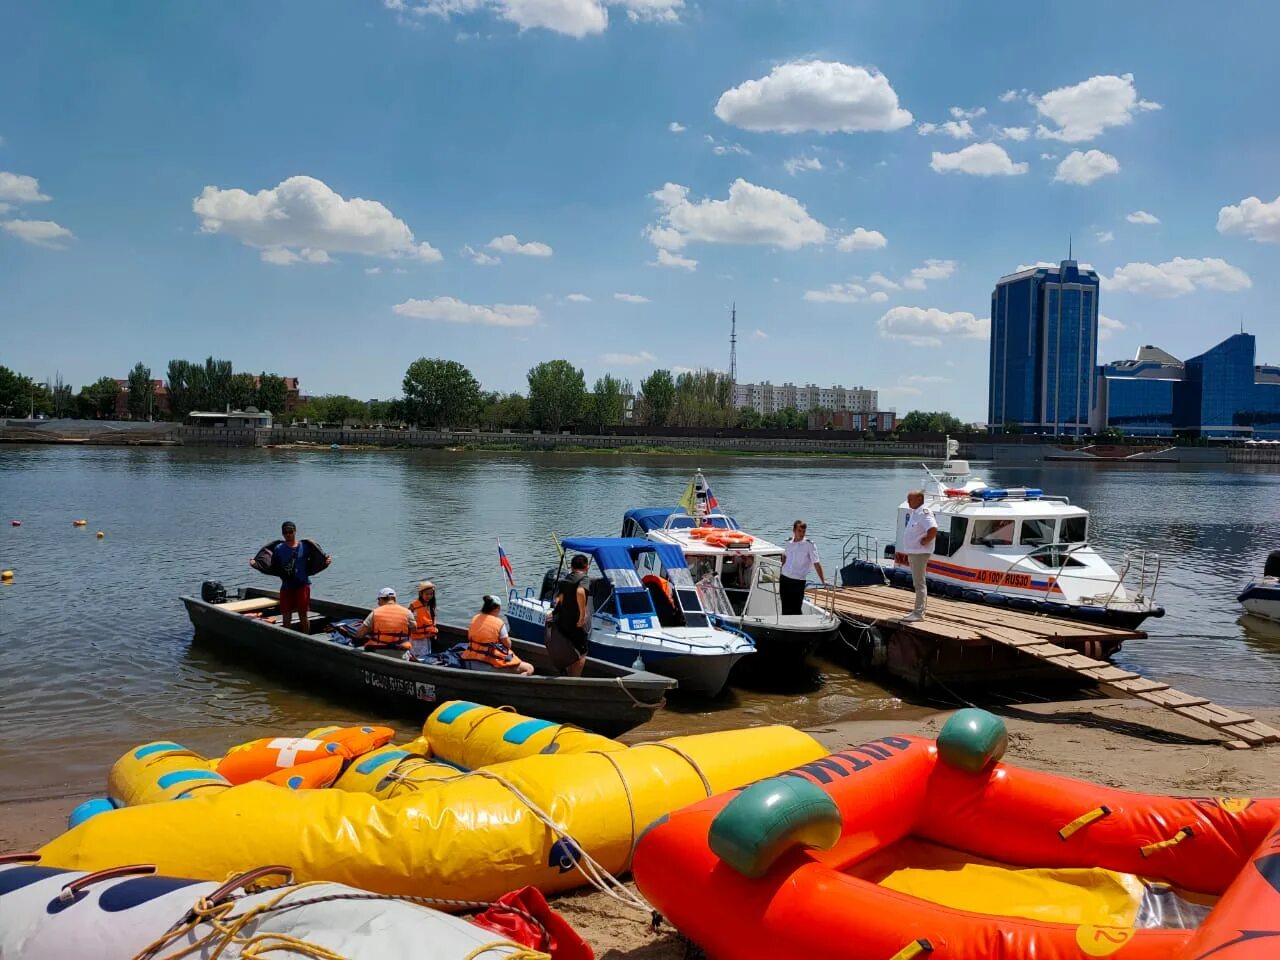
[969, 642]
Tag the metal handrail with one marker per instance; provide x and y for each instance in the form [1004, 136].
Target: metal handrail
[660, 639]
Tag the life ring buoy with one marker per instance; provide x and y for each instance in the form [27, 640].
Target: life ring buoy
[701, 533]
[729, 538]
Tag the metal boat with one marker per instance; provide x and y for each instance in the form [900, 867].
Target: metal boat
[632, 623]
[1012, 546]
[608, 698]
[1262, 597]
[747, 569]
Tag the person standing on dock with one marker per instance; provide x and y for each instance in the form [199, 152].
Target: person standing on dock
[801, 556]
[918, 535]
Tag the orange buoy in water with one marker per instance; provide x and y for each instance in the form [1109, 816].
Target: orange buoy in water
[6, 576]
[100, 534]
[79, 523]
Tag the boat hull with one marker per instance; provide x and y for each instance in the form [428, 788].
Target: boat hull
[1262, 599]
[607, 699]
[782, 647]
[697, 675]
[858, 573]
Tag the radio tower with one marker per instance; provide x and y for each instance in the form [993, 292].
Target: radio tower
[733, 344]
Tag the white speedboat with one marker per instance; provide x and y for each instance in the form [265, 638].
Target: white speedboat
[633, 623]
[1262, 597]
[1016, 547]
[745, 567]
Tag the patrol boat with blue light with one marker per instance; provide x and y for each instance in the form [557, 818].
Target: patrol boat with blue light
[638, 622]
[1014, 547]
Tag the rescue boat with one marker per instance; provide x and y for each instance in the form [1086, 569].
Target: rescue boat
[483, 802]
[905, 847]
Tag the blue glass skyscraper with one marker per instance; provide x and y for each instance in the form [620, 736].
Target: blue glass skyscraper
[1044, 349]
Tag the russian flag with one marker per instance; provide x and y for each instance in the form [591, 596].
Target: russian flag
[506, 564]
[712, 502]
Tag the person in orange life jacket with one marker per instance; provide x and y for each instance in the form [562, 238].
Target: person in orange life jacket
[488, 645]
[664, 604]
[387, 624]
[423, 629]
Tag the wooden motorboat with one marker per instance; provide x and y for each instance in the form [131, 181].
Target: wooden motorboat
[607, 698]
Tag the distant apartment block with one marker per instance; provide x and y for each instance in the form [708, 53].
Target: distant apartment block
[881, 421]
[766, 398]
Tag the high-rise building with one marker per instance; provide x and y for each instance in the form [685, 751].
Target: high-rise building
[1044, 348]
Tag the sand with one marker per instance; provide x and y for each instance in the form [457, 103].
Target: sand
[1121, 743]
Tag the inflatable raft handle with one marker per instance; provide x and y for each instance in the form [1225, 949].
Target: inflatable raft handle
[769, 818]
[73, 889]
[19, 858]
[247, 879]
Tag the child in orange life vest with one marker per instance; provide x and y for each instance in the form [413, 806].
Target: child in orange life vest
[422, 626]
[488, 642]
[387, 625]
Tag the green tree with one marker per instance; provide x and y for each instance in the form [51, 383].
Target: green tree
[499, 411]
[557, 395]
[272, 393]
[62, 401]
[376, 412]
[439, 393]
[242, 391]
[16, 393]
[179, 377]
[657, 397]
[97, 401]
[703, 398]
[931, 421]
[749, 419]
[214, 384]
[607, 402]
[141, 398]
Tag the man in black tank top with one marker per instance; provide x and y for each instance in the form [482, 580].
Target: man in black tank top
[569, 626]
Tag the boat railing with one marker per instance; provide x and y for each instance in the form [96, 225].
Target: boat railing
[867, 547]
[515, 594]
[1067, 549]
[661, 639]
[1145, 564]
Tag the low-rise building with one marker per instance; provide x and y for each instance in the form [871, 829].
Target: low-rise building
[767, 398]
[230, 419]
[881, 421]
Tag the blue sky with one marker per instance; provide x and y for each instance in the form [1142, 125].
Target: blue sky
[600, 180]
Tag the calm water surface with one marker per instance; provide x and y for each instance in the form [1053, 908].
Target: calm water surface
[96, 653]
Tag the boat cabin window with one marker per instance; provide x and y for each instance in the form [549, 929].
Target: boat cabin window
[691, 607]
[1037, 531]
[1074, 530]
[948, 542]
[635, 603]
[737, 572]
[1054, 557]
[700, 567]
[993, 532]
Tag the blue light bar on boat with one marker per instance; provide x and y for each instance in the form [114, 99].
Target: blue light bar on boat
[1013, 493]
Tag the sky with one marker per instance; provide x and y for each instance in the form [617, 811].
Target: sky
[330, 190]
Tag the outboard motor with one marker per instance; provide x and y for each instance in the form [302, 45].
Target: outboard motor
[1272, 567]
[548, 586]
[212, 591]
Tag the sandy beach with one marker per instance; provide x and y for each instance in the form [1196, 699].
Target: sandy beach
[1121, 743]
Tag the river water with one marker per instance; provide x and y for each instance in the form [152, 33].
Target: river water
[95, 651]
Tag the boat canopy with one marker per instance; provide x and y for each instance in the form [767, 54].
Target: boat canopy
[650, 518]
[617, 556]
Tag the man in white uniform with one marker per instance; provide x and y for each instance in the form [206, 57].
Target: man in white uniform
[801, 556]
[917, 543]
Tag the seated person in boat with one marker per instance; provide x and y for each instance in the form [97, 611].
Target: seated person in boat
[488, 644]
[388, 624]
[422, 629]
[664, 604]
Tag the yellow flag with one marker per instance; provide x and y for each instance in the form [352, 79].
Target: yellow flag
[555, 538]
[689, 501]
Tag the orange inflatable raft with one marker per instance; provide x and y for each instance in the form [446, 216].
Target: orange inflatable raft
[904, 848]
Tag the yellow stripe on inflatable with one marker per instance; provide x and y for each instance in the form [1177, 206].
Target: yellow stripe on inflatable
[472, 736]
[472, 837]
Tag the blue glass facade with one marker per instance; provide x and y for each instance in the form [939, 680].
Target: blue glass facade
[1044, 344]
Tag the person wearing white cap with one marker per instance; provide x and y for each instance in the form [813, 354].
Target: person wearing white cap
[387, 625]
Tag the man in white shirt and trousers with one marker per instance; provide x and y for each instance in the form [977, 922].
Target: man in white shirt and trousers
[801, 556]
[917, 543]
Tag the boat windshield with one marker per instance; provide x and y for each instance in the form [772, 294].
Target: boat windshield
[691, 607]
[1074, 530]
[993, 532]
[634, 603]
[1037, 531]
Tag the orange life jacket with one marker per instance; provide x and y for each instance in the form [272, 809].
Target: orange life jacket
[390, 627]
[484, 642]
[663, 584]
[424, 624]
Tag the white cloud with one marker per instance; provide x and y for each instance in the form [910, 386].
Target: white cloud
[978, 159]
[1017, 134]
[1011, 95]
[959, 113]
[862, 239]
[1084, 110]
[578, 298]
[40, 233]
[959, 129]
[1083, 169]
[450, 310]
[19, 188]
[668, 259]
[879, 296]
[284, 257]
[923, 378]
[1048, 156]
[1108, 328]
[750, 215]
[1177, 277]
[575, 18]
[1252, 217]
[303, 213]
[1104, 236]
[919, 278]
[838, 293]
[758, 334]
[814, 95]
[652, 11]
[628, 359]
[676, 127]
[508, 243]
[630, 298]
[1141, 216]
[373, 271]
[880, 280]
[795, 165]
[926, 327]
[479, 257]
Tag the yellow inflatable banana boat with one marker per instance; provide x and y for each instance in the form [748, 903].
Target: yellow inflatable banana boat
[485, 801]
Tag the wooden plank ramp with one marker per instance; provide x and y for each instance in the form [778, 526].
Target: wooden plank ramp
[1034, 635]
